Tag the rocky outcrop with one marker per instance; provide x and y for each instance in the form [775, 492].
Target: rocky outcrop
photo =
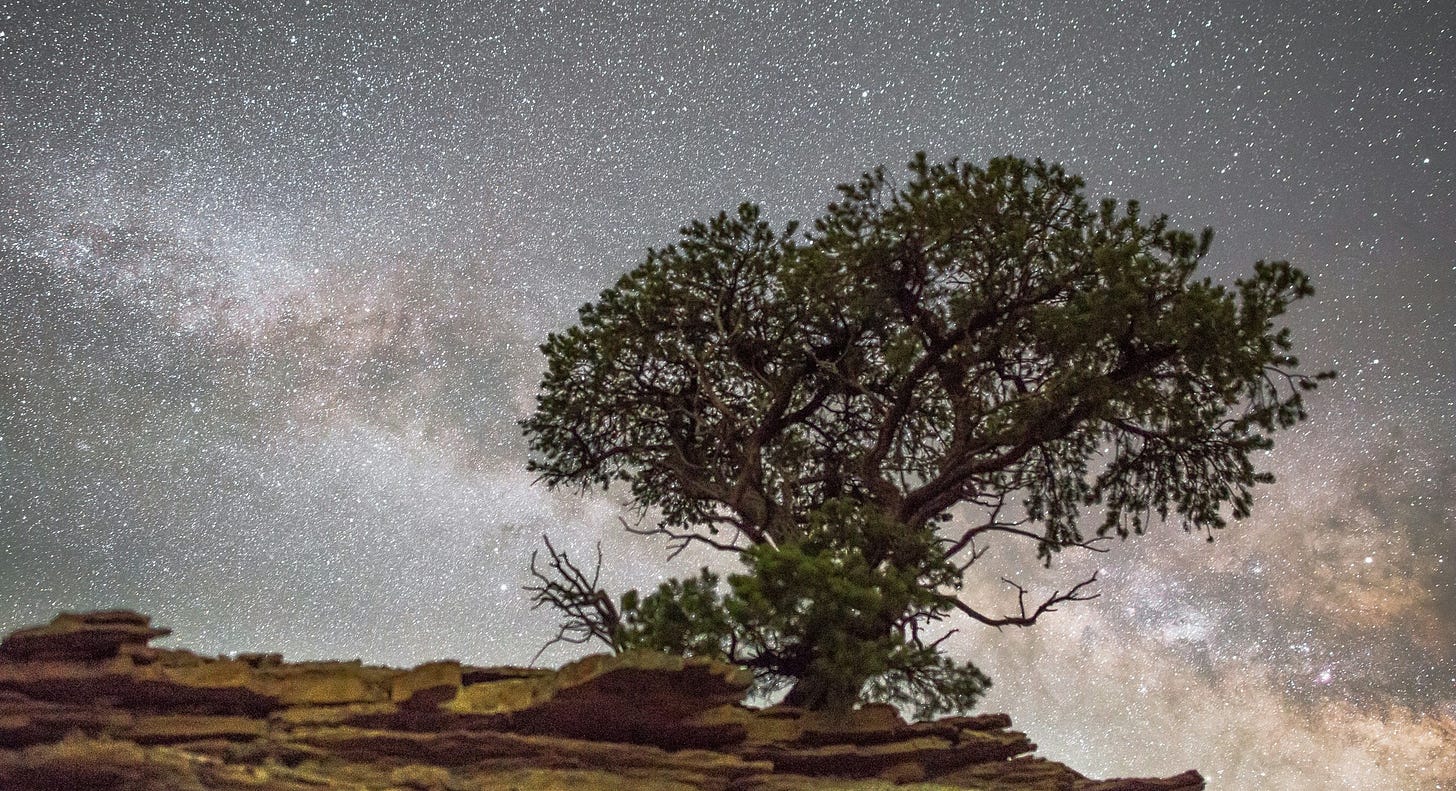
[85, 703]
[95, 635]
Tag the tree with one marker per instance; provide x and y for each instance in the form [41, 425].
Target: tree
[856, 412]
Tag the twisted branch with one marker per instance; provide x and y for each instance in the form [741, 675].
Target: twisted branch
[1024, 618]
[587, 611]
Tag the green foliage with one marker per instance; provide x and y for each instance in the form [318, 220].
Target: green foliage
[685, 617]
[819, 608]
[979, 354]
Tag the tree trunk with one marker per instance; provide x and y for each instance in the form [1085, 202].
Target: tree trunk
[821, 692]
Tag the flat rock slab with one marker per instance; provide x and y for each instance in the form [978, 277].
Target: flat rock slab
[80, 637]
[936, 755]
[1188, 781]
[179, 728]
[477, 749]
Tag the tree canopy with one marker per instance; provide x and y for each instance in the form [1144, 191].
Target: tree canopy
[858, 410]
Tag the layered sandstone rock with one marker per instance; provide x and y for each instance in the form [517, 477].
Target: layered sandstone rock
[86, 703]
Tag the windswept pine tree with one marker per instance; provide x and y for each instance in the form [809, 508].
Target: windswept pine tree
[858, 411]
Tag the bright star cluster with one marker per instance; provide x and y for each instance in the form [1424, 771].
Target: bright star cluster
[273, 274]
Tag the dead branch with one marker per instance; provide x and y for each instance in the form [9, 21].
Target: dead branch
[587, 611]
[1024, 618]
[678, 540]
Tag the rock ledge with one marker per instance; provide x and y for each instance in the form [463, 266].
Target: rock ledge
[85, 703]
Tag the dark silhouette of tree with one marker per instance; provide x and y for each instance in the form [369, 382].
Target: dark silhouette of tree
[858, 411]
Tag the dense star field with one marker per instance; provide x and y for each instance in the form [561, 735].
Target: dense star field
[272, 278]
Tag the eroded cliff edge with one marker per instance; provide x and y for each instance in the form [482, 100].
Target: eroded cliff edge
[86, 703]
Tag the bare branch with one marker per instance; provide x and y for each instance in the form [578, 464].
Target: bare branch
[1024, 618]
[935, 644]
[1012, 528]
[587, 611]
[679, 540]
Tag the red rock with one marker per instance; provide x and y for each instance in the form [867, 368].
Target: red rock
[481, 675]
[872, 724]
[936, 755]
[427, 685]
[85, 703]
[980, 722]
[80, 637]
[477, 748]
[261, 659]
[1022, 773]
[908, 772]
[208, 689]
[1188, 781]
[179, 728]
[24, 721]
[639, 697]
[323, 683]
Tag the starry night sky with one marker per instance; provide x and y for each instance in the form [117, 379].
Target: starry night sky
[272, 278]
